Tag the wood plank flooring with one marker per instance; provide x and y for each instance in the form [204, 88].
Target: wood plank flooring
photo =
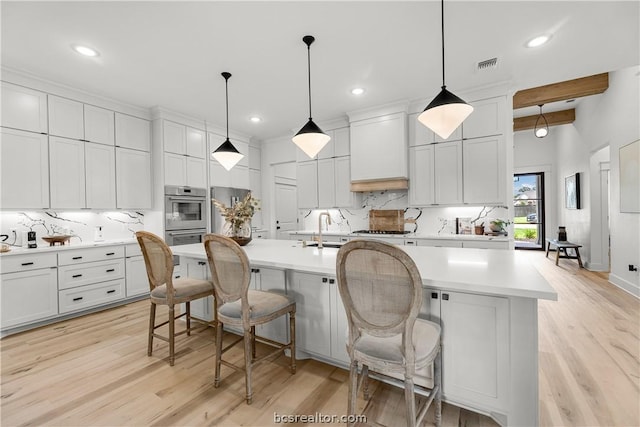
[94, 371]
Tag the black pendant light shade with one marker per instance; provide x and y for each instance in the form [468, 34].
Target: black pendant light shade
[310, 139]
[542, 126]
[447, 111]
[226, 154]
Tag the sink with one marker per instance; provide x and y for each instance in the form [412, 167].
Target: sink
[325, 244]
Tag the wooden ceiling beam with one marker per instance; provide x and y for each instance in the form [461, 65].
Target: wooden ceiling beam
[561, 91]
[554, 118]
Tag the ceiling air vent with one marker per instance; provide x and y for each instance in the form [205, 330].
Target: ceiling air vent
[488, 64]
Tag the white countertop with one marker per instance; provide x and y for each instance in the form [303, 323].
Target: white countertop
[496, 272]
[408, 235]
[44, 246]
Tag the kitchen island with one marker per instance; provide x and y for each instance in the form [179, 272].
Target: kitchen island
[485, 300]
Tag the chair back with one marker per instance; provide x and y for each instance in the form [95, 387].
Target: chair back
[229, 267]
[158, 259]
[380, 287]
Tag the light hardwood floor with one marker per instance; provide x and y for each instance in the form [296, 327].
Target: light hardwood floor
[94, 371]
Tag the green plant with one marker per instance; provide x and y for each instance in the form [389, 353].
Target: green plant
[500, 224]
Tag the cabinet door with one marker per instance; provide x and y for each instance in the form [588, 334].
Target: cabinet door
[448, 173]
[99, 125]
[174, 136]
[484, 162]
[255, 157]
[137, 282]
[196, 143]
[255, 185]
[24, 108]
[475, 349]
[28, 296]
[175, 169]
[344, 197]
[218, 175]
[24, 169]
[339, 326]
[198, 269]
[421, 182]
[272, 280]
[240, 176]
[243, 148]
[307, 184]
[196, 172]
[379, 148]
[100, 175]
[326, 183]
[328, 151]
[66, 157]
[440, 243]
[66, 118]
[342, 142]
[132, 132]
[313, 316]
[133, 179]
[487, 119]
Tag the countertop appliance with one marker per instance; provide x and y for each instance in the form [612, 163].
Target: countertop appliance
[31, 240]
[227, 195]
[185, 208]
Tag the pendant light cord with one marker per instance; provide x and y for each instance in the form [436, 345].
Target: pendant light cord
[226, 90]
[442, 28]
[309, 75]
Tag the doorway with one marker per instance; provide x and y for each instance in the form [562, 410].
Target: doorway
[528, 210]
[286, 208]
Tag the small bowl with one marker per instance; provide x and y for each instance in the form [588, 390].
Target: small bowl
[52, 240]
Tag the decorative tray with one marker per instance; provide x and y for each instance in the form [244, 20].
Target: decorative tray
[52, 240]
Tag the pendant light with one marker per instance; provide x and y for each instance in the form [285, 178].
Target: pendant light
[310, 138]
[226, 154]
[542, 128]
[447, 111]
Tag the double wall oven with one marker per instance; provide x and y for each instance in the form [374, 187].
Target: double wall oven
[185, 210]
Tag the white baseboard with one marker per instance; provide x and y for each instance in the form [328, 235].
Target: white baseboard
[625, 285]
[596, 266]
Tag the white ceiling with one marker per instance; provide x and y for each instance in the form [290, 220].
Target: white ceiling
[172, 53]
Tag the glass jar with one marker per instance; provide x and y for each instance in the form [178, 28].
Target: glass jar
[238, 230]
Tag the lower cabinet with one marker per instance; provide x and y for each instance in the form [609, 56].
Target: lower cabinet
[272, 280]
[198, 269]
[339, 327]
[28, 296]
[136, 276]
[81, 297]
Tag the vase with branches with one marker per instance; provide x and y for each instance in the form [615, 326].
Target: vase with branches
[238, 218]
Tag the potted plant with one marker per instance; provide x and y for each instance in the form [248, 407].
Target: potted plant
[238, 218]
[497, 225]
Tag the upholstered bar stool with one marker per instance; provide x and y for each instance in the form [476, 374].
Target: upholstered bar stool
[239, 306]
[381, 290]
[168, 291]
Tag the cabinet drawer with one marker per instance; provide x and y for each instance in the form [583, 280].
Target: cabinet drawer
[13, 263]
[78, 256]
[132, 250]
[90, 295]
[71, 276]
[485, 245]
[444, 243]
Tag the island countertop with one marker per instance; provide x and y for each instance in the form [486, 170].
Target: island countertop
[483, 271]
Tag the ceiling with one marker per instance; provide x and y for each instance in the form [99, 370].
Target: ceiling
[172, 53]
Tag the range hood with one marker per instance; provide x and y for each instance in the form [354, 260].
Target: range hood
[380, 184]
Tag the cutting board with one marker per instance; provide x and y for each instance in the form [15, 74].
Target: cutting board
[386, 219]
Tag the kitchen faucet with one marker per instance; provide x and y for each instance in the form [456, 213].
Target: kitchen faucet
[320, 226]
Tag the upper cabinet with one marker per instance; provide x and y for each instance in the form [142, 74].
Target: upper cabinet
[196, 143]
[75, 120]
[487, 119]
[132, 132]
[484, 162]
[24, 108]
[133, 180]
[339, 145]
[379, 148]
[174, 136]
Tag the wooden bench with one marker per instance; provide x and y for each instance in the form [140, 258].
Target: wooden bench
[561, 251]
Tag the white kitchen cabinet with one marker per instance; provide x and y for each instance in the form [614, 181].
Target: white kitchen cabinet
[28, 296]
[23, 108]
[216, 140]
[313, 312]
[196, 143]
[67, 182]
[272, 280]
[484, 162]
[448, 173]
[339, 326]
[345, 198]
[196, 172]
[307, 184]
[240, 177]
[422, 179]
[342, 142]
[487, 118]
[174, 136]
[440, 243]
[379, 147]
[198, 269]
[99, 125]
[132, 132]
[100, 175]
[133, 179]
[255, 157]
[137, 282]
[24, 170]
[485, 244]
[475, 349]
[83, 297]
[72, 276]
[66, 117]
[175, 169]
[326, 183]
[419, 134]
[218, 175]
[255, 185]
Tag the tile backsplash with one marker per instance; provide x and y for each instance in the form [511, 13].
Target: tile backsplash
[81, 225]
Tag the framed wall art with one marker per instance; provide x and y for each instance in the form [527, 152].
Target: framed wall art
[572, 191]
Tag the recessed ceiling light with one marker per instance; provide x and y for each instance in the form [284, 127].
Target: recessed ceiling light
[538, 41]
[84, 50]
[357, 91]
[255, 119]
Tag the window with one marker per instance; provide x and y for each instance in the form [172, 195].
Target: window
[528, 208]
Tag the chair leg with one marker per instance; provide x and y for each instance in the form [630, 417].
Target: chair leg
[216, 381]
[247, 364]
[353, 391]
[152, 325]
[292, 340]
[188, 309]
[410, 400]
[437, 382]
[365, 382]
[172, 330]
[253, 342]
